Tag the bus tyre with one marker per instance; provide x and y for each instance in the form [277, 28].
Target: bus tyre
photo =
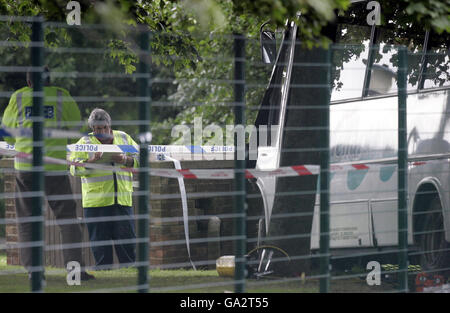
[435, 254]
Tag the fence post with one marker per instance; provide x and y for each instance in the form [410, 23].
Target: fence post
[37, 61]
[325, 184]
[144, 174]
[240, 189]
[402, 171]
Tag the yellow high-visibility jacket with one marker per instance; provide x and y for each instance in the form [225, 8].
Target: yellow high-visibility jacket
[104, 188]
[60, 112]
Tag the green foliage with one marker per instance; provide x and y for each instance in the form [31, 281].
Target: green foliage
[434, 14]
[313, 17]
[120, 51]
[206, 89]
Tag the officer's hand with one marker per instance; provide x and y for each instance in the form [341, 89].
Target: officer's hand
[119, 158]
[96, 156]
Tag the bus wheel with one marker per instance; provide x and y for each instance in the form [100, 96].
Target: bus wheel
[435, 254]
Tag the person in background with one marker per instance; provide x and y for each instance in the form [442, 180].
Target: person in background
[60, 112]
[107, 195]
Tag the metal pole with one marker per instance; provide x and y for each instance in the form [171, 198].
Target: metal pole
[144, 177]
[325, 184]
[37, 228]
[402, 171]
[240, 197]
[370, 59]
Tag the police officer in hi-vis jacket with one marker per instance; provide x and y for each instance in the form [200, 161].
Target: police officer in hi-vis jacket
[60, 112]
[107, 195]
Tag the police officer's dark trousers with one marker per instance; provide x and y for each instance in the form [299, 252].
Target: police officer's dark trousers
[108, 226]
[63, 205]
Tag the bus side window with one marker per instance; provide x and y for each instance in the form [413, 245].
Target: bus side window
[383, 79]
[348, 61]
[437, 66]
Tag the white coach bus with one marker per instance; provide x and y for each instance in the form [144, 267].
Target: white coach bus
[363, 129]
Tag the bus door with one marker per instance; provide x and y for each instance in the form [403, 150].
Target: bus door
[269, 120]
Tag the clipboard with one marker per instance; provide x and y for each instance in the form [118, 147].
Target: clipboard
[107, 157]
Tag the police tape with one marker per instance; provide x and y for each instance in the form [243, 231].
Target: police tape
[191, 149]
[184, 206]
[286, 171]
[50, 160]
[58, 133]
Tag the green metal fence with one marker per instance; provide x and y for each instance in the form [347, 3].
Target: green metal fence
[230, 216]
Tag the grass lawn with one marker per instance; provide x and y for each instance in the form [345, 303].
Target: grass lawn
[13, 279]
